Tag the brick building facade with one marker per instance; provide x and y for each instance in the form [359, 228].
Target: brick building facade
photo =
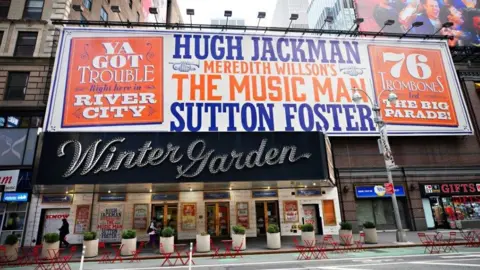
[421, 160]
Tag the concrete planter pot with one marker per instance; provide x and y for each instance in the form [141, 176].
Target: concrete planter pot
[238, 239]
[11, 252]
[91, 248]
[50, 247]
[370, 235]
[203, 243]
[273, 240]
[344, 235]
[129, 246]
[308, 237]
[167, 243]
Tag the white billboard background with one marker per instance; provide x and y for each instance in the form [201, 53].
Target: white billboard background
[281, 122]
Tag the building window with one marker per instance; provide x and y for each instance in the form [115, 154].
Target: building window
[130, 3]
[33, 9]
[16, 85]
[103, 15]
[26, 42]
[1, 37]
[4, 7]
[87, 4]
[83, 20]
[138, 16]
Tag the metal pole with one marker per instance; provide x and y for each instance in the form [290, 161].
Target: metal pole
[389, 163]
[83, 256]
[190, 257]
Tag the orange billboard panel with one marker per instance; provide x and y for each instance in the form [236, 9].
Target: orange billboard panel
[418, 78]
[114, 81]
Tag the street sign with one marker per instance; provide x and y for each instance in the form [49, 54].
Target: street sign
[389, 188]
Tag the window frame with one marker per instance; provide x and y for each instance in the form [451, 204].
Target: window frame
[26, 8]
[16, 51]
[89, 5]
[8, 90]
[103, 11]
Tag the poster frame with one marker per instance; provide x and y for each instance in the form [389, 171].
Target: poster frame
[182, 207]
[248, 213]
[133, 216]
[285, 212]
[88, 220]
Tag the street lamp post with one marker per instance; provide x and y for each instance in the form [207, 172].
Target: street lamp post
[386, 151]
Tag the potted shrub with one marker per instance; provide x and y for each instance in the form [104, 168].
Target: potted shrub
[273, 237]
[345, 233]
[90, 242]
[239, 237]
[308, 235]
[166, 240]
[203, 242]
[11, 246]
[51, 241]
[370, 232]
[129, 242]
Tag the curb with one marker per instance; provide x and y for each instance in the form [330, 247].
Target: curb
[266, 252]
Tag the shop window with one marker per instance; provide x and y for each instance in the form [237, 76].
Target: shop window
[26, 42]
[21, 121]
[380, 212]
[14, 221]
[16, 85]
[33, 9]
[4, 8]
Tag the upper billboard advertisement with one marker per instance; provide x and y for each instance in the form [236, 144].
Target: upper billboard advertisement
[464, 14]
[132, 80]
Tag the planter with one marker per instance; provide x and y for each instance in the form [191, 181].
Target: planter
[91, 248]
[129, 246]
[238, 239]
[203, 243]
[167, 243]
[11, 252]
[273, 240]
[344, 235]
[308, 237]
[370, 235]
[50, 246]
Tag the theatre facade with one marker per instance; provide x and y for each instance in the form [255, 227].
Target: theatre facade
[204, 131]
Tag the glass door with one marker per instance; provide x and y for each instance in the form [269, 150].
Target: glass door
[266, 214]
[218, 219]
[165, 215]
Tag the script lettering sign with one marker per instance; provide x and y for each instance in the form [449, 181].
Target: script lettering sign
[163, 157]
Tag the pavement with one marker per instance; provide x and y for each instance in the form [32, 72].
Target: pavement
[375, 259]
[385, 255]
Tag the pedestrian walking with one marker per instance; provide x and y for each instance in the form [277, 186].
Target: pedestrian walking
[152, 232]
[64, 231]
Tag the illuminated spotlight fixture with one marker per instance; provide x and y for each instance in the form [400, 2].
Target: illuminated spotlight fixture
[293, 17]
[227, 14]
[356, 24]
[154, 12]
[190, 12]
[314, 183]
[385, 24]
[109, 191]
[444, 25]
[268, 187]
[414, 25]
[191, 189]
[150, 190]
[261, 15]
[230, 188]
[328, 19]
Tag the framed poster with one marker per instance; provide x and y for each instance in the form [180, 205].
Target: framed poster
[82, 219]
[290, 211]
[110, 222]
[140, 216]
[242, 214]
[189, 216]
[329, 218]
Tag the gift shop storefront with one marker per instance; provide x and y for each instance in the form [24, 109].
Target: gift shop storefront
[451, 205]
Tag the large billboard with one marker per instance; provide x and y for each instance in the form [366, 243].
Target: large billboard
[464, 14]
[134, 80]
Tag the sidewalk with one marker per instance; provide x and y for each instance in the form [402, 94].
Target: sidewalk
[258, 246]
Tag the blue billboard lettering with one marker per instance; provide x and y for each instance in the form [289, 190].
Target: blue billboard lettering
[305, 50]
[218, 47]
